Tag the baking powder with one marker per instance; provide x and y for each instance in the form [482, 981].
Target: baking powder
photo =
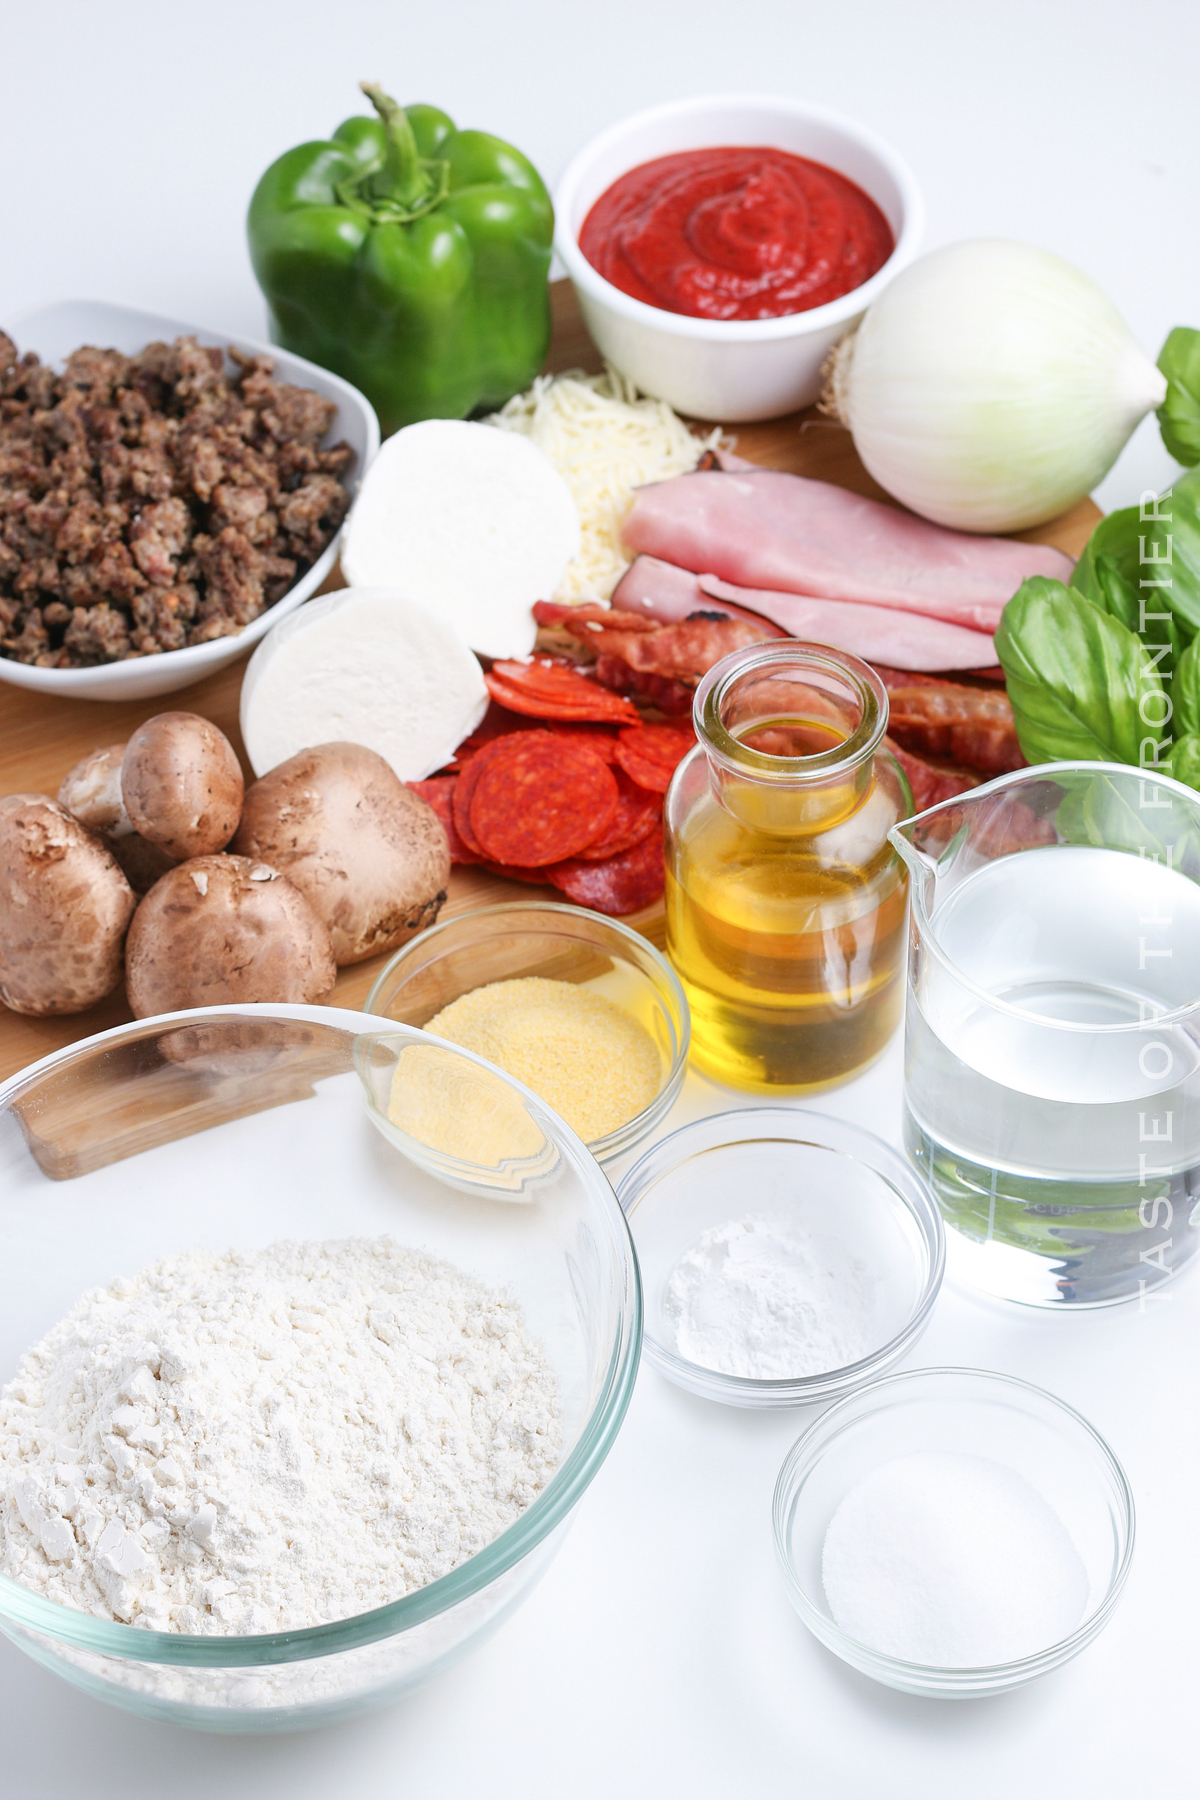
[766, 1299]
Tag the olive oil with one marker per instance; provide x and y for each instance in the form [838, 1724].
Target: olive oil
[785, 902]
[791, 964]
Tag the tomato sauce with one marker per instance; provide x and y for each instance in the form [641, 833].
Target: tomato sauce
[735, 232]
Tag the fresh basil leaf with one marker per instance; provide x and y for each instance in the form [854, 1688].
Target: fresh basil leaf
[1108, 573]
[1167, 565]
[1115, 538]
[1076, 678]
[1103, 810]
[1113, 593]
[1185, 692]
[1185, 759]
[1179, 414]
[1163, 636]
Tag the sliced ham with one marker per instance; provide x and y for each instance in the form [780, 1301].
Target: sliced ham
[663, 592]
[905, 640]
[769, 529]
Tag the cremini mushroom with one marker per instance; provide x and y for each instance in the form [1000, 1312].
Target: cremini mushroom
[219, 930]
[92, 791]
[371, 856]
[182, 784]
[64, 909]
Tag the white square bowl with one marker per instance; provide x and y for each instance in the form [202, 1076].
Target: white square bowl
[52, 332]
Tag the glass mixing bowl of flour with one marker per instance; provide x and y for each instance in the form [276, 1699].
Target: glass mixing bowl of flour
[787, 1257]
[169, 1144]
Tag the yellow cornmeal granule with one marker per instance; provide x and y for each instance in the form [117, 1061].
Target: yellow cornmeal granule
[450, 1106]
[588, 1059]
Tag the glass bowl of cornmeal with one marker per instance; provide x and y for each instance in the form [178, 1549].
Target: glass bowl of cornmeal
[580, 1008]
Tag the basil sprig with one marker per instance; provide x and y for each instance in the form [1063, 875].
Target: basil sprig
[1076, 677]
[1179, 414]
[1109, 669]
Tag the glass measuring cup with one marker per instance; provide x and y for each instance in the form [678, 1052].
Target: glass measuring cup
[785, 901]
[1052, 1029]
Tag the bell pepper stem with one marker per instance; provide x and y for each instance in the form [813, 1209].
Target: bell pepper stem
[403, 176]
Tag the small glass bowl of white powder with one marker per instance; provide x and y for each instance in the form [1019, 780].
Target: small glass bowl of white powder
[953, 1532]
[787, 1257]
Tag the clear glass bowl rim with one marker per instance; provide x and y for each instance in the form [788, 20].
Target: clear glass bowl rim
[928, 1677]
[802, 1127]
[133, 1643]
[616, 1142]
[929, 939]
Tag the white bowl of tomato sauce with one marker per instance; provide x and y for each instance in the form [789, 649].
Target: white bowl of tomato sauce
[720, 247]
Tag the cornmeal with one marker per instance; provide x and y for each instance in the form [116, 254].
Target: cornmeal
[584, 1056]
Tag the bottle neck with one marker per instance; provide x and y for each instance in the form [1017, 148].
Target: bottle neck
[790, 730]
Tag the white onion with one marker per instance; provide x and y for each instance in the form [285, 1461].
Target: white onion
[992, 385]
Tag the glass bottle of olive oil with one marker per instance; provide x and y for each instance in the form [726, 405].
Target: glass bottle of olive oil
[785, 902]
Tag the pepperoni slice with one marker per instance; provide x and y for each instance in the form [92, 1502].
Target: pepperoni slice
[547, 690]
[600, 739]
[467, 782]
[438, 792]
[511, 874]
[651, 753]
[538, 799]
[622, 884]
[496, 722]
[637, 815]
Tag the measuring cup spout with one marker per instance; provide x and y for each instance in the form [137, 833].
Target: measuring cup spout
[919, 862]
[919, 856]
[938, 845]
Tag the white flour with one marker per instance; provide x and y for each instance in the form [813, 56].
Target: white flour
[259, 1442]
[766, 1300]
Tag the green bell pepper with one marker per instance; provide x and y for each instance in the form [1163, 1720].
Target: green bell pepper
[410, 257]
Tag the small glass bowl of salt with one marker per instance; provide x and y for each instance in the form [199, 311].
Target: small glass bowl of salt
[787, 1257]
[953, 1532]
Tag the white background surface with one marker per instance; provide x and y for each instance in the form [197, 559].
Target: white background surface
[660, 1656]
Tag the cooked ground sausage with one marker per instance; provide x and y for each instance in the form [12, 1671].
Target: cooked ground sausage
[154, 501]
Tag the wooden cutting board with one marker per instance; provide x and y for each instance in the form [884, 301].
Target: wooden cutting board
[41, 736]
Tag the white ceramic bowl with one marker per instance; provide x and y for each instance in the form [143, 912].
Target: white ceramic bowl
[730, 369]
[52, 332]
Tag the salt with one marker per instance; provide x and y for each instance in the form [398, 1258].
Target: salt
[953, 1561]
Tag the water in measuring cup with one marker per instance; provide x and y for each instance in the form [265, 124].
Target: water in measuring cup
[1066, 1156]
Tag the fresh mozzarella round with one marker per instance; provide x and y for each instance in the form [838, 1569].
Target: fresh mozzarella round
[364, 666]
[476, 522]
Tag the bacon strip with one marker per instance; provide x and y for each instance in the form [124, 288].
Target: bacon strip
[967, 725]
[970, 726]
[682, 652]
[929, 785]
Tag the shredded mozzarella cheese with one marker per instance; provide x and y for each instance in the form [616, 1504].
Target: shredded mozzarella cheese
[605, 440]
